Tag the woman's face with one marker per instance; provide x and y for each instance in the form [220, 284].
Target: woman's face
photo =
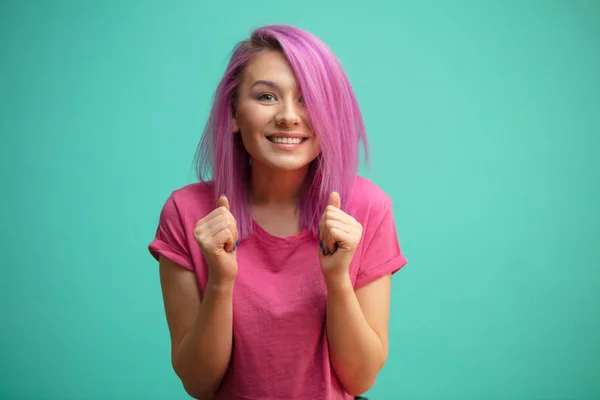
[271, 116]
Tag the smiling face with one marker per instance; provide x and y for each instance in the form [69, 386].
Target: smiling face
[271, 117]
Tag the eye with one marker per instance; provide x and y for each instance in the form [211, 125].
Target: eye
[267, 97]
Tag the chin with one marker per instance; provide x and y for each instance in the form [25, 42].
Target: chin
[288, 165]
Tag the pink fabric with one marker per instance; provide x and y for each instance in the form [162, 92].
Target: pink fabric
[279, 302]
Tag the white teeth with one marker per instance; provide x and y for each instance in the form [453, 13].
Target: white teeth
[286, 140]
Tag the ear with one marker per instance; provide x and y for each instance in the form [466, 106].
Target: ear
[235, 128]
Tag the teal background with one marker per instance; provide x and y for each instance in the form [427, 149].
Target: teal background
[484, 120]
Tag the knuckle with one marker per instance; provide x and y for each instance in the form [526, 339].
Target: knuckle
[201, 239]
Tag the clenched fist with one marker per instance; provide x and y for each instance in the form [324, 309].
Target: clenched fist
[339, 236]
[217, 236]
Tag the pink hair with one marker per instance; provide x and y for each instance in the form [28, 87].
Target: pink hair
[332, 108]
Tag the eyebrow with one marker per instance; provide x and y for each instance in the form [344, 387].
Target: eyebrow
[262, 82]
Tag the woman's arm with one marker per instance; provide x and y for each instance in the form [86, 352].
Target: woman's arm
[357, 331]
[201, 331]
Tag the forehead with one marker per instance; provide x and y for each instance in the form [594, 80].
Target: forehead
[270, 65]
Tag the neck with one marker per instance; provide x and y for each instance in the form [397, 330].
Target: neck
[275, 187]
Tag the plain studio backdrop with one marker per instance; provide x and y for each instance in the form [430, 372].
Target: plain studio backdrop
[484, 121]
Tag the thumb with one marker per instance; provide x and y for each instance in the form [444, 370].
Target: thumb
[223, 202]
[334, 200]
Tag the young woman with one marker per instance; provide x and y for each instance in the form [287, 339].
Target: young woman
[275, 267]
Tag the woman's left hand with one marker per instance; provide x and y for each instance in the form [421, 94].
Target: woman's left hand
[339, 235]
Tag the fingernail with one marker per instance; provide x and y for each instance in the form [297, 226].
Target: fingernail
[237, 243]
[224, 195]
[323, 249]
[320, 244]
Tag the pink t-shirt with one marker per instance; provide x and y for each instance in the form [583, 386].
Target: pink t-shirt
[280, 346]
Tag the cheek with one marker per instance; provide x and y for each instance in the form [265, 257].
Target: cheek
[252, 123]
[249, 140]
[253, 120]
[317, 146]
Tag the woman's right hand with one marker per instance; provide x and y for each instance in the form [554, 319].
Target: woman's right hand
[217, 236]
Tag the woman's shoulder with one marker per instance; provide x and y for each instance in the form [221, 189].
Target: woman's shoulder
[194, 196]
[368, 201]
[366, 193]
[195, 190]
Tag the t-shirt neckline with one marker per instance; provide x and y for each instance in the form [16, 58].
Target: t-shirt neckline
[265, 236]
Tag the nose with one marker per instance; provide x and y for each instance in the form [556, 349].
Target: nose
[288, 114]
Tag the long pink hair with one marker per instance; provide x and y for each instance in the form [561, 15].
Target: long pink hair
[221, 159]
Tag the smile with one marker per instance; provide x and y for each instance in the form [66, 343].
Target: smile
[283, 140]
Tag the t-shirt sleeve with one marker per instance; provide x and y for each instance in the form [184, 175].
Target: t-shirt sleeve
[381, 253]
[170, 239]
